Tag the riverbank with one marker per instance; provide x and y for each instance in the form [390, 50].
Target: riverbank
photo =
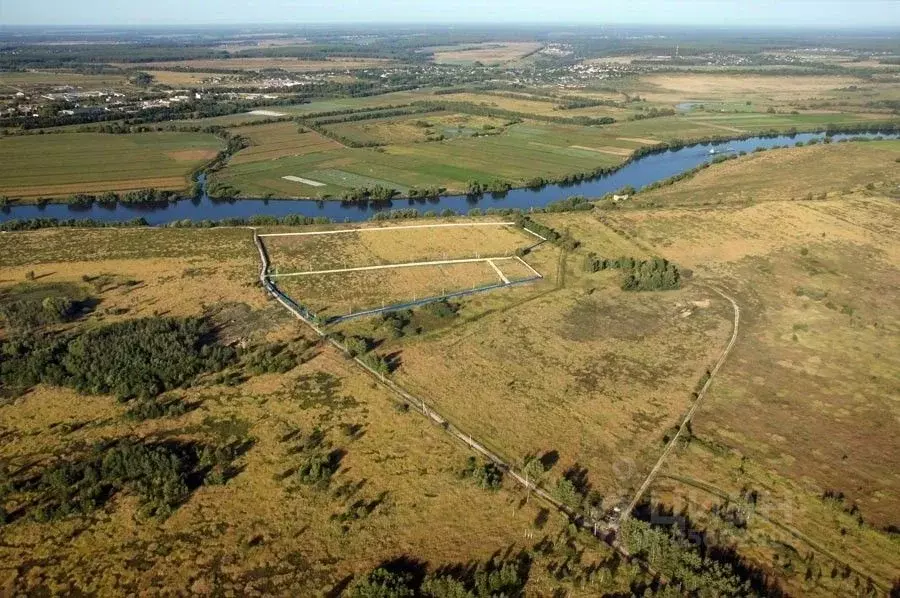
[651, 167]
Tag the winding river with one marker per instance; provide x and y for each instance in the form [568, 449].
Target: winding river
[638, 173]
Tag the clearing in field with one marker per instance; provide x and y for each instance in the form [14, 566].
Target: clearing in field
[762, 88]
[485, 53]
[417, 128]
[341, 272]
[59, 165]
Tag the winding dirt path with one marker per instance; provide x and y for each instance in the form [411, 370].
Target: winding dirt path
[626, 513]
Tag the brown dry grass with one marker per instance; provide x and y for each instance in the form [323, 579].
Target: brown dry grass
[342, 293]
[830, 168]
[197, 155]
[144, 272]
[592, 372]
[707, 86]
[372, 247]
[804, 403]
[256, 534]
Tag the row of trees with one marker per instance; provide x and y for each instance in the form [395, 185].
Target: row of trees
[497, 577]
[488, 110]
[357, 114]
[573, 203]
[680, 561]
[564, 239]
[109, 198]
[495, 186]
[377, 193]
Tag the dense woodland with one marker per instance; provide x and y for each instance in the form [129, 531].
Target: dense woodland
[132, 359]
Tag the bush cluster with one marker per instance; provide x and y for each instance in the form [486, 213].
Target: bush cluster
[485, 475]
[157, 473]
[656, 274]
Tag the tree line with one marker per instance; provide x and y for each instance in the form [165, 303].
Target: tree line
[563, 239]
[656, 274]
[487, 110]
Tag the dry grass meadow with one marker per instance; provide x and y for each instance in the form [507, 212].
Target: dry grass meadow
[485, 53]
[335, 294]
[834, 169]
[570, 366]
[343, 293]
[677, 87]
[805, 405]
[259, 533]
[369, 246]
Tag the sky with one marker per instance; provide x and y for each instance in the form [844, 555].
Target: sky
[732, 13]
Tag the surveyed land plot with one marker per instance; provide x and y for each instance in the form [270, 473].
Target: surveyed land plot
[347, 271]
[393, 245]
[343, 293]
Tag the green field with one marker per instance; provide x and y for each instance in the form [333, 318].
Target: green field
[524, 151]
[60, 165]
[517, 153]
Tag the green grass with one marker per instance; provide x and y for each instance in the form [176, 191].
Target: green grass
[59, 165]
[524, 151]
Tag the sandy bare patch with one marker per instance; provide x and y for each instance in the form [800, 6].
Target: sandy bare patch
[267, 113]
[297, 179]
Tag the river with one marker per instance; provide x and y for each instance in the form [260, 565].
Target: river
[638, 173]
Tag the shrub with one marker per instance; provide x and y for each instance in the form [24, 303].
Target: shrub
[317, 469]
[358, 345]
[485, 475]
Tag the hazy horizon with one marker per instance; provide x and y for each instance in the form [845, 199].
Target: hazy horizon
[879, 14]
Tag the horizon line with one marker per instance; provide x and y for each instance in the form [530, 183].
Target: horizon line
[581, 25]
